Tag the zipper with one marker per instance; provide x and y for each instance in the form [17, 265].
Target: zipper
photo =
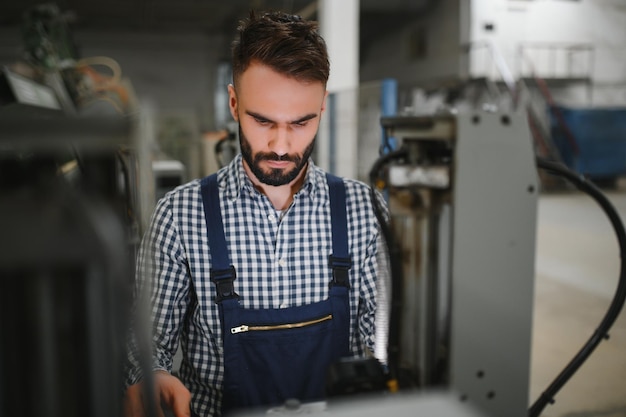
[244, 328]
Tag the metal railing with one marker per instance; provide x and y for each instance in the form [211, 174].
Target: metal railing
[555, 60]
[491, 64]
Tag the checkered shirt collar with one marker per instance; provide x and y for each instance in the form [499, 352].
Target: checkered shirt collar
[237, 181]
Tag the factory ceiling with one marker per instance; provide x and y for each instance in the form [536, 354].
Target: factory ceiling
[209, 16]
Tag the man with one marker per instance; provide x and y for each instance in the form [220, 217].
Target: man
[265, 273]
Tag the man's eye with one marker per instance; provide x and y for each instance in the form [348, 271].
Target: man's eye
[262, 122]
[301, 124]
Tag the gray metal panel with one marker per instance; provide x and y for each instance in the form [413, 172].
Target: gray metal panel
[494, 222]
[404, 404]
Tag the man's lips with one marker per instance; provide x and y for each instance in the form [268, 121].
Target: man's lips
[277, 164]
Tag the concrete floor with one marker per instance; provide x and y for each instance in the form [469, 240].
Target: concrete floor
[577, 269]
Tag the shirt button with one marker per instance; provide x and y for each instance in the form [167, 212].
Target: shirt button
[282, 262]
[271, 217]
[283, 305]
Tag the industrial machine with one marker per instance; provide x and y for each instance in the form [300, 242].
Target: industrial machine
[462, 191]
[70, 220]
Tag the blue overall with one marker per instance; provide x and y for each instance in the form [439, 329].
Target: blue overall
[271, 355]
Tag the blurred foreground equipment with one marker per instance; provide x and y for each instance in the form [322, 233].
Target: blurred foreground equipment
[71, 162]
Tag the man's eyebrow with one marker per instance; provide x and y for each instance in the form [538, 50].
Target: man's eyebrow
[258, 116]
[305, 118]
[264, 118]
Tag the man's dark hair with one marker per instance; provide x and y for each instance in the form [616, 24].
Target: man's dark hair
[286, 43]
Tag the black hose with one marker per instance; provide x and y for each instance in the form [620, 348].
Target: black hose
[395, 261]
[620, 294]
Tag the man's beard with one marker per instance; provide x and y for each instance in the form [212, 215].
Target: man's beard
[275, 176]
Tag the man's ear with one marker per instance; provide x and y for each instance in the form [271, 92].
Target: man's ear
[324, 102]
[232, 102]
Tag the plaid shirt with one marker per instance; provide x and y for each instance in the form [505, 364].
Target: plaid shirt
[281, 260]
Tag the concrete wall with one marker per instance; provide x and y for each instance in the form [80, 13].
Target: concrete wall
[596, 23]
[506, 25]
[422, 51]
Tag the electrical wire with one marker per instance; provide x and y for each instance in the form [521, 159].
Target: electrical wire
[395, 258]
[602, 332]
[97, 86]
[112, 64]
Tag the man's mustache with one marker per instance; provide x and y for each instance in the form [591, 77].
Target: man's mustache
[272, 156]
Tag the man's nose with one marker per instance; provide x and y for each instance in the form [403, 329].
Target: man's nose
[279, 142]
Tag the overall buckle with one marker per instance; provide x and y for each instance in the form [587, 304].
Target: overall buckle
[340, 267]
[223, 280]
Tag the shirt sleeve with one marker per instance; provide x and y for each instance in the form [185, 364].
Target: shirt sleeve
[161, 295]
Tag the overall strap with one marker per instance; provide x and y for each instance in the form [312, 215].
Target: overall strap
[339, 260]
[222, 271]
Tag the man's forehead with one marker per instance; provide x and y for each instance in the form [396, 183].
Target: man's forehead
[266, 94]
